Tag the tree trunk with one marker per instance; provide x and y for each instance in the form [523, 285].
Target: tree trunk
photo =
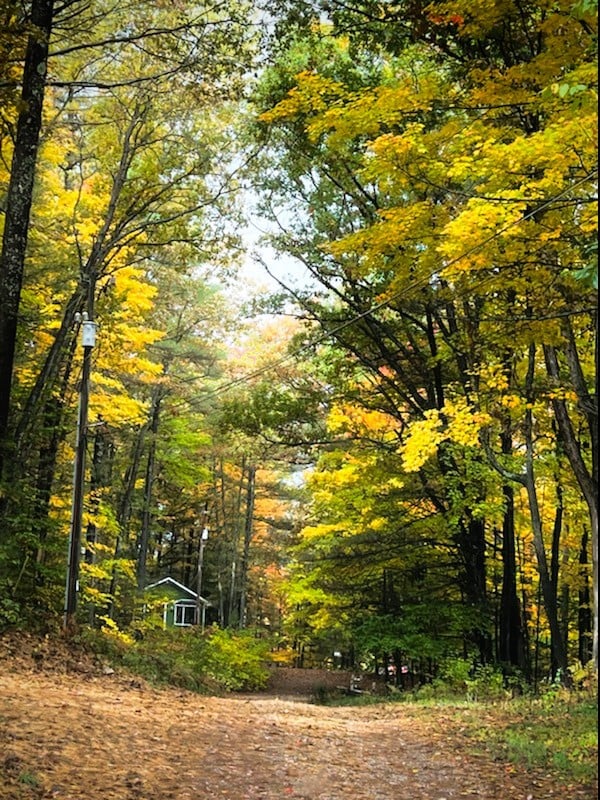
[233, 610]
[524, 600]
[559, 651]
[511, 650]
[587, 479]
[100, 477]
[470, 541]
[555, 558]
[19, 199]
[131, 473]
[188, 559]
[124, 509]
[584, 616]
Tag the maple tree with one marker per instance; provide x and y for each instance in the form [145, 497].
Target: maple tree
[449, 190]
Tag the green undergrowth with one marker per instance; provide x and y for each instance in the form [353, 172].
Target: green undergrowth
[214, 661]
[555, 732]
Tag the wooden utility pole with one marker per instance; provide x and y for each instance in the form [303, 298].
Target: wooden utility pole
[88, 340]
[200, 607]
[247, 539]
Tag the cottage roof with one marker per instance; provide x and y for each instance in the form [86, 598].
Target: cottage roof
[191, 594]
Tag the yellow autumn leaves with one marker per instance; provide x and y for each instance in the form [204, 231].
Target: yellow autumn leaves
[457, 422]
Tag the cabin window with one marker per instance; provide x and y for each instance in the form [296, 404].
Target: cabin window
[185, 615]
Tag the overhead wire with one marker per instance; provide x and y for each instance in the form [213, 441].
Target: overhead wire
[422, 282]
[326, 335]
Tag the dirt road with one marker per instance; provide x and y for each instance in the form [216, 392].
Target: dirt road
[78, 737]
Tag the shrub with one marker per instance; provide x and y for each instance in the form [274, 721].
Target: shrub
[458, 678]
[218, 660]
[237, 660]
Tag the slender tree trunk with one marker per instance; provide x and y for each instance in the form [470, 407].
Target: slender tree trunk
[219, 529]
[124, 510]
[187, 565]
[555, 558]
[19, 200]
[536, 657]
[236, 515]
[587, 479]
[470, 540]
[565, 602]
[248, 525]
[511, 649]
[584, 617]
[99, 478]
[232, 587]
[131, 474]
[522, 595]
[547, 589]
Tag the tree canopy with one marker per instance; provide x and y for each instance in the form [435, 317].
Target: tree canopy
[396, 461]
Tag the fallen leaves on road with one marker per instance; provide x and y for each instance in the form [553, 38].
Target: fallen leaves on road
[73, 736]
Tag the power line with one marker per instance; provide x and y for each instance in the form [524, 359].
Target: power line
[326, 335]
[378, 306]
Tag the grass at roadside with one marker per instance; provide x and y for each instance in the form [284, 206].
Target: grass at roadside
[557, 733]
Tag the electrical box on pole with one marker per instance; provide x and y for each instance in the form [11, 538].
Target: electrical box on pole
[88, 333]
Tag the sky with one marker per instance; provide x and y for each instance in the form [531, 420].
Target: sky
[286, 268]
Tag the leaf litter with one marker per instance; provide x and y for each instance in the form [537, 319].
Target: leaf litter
[81, 734]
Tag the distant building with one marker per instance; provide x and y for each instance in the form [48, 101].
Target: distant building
[180, 604]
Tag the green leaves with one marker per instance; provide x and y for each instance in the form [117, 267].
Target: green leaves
[446, 209]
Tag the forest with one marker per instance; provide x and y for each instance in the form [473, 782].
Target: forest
[298, 309]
